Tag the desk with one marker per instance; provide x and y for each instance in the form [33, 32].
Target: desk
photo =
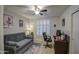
[61, 46]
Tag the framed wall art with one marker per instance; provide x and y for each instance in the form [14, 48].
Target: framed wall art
[20, 23]
[7, 21]
[63, 22]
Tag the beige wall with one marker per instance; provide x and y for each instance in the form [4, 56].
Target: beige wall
[54, 20]
[67, 29]
[1, 29]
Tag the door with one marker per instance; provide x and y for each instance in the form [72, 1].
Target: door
[75, 34]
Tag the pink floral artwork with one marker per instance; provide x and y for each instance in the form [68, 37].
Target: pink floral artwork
[8, 21]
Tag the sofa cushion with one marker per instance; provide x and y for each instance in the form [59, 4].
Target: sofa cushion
[23, 42]
[11, 43]
[19, 38]
[9, 37]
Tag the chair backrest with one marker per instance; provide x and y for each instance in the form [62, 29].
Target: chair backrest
[44, 36]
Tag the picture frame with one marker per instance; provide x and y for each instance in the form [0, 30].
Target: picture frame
[20, 23]
[7, 21]
[63, 22]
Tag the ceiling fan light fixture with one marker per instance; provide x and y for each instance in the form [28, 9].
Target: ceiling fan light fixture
[36, 12]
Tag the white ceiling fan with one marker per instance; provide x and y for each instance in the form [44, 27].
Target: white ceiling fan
[37, 10]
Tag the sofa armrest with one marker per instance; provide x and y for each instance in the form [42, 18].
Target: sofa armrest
[10, 49]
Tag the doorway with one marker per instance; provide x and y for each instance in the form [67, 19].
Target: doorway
[75, 32]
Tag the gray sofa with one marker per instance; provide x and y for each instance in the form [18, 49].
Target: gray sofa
[17, 43]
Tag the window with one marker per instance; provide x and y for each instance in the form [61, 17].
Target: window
[43, 26]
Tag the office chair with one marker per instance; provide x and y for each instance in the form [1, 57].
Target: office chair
[47, 39]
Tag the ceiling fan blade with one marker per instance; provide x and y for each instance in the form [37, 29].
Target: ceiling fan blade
[44, 10]
[33, 14]
[41, 13]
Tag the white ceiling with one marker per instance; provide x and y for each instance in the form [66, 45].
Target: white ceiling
[27, 10]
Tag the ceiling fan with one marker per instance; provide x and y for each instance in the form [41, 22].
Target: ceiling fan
[37, 10]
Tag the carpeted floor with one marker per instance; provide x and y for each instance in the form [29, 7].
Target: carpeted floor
[38, 48]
